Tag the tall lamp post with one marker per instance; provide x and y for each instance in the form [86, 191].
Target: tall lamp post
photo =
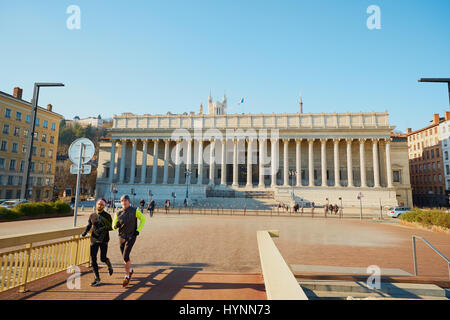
[292, 174]
[188, 174]
[23, 192]
[439, 80]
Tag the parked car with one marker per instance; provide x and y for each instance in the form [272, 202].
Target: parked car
[3, 200]
[12, 203]
[396, 211]
[118, 204]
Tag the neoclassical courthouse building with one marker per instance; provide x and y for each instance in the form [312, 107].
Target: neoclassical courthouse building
[315, 155]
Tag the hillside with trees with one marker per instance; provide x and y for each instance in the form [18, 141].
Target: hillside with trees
[67, 134]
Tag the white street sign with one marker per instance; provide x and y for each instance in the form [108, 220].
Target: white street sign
[74, 150]
[85, 169]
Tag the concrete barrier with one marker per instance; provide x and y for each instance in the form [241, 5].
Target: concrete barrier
[279, 280]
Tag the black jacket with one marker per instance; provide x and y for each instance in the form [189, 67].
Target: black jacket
[101, 224]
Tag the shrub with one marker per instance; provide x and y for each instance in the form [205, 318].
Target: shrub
[5, 213]
[61, 207]
[428, 217]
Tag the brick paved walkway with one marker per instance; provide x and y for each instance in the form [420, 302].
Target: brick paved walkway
[147, 283]
[177, 255]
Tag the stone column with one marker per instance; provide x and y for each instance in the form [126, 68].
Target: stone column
[200, 162]
[249, 162]
[286, 162]
[133, 161]
[323, 149]
[112, 161]
[262, 143]
[177, 161]
[311, 162]
[155, 161]
[337, 178]
[298, 161]
[273, 148]
[144, 160]
[362, 162]
[212, 161]
[376, 166]
[223, 176]
[235, 163]
[122, 161]
[388, 163]
[166, 161]
[189, 160]
[349, 163]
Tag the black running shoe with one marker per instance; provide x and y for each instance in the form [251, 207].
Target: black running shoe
[96, 283]
[110, 270]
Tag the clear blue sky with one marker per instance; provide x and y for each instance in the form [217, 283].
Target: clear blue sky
[154, 57]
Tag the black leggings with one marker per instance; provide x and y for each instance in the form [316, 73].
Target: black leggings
[125, 247]
[103, 251]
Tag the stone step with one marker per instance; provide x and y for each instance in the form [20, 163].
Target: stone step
[336, 295]
[405, 290]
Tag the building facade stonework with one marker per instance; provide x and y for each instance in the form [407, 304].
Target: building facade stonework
[317, 156]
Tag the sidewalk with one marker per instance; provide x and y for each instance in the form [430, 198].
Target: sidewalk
[147, 283]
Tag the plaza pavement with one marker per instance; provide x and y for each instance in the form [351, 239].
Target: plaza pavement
[196, 252]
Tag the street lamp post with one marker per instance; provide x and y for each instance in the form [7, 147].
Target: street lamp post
[292, 174]
[188, 174]
[26, 174]
[439, 80]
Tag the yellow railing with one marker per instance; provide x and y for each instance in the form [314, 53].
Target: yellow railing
[21, 266]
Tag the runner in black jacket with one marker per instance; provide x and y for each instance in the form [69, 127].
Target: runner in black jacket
[100, 222]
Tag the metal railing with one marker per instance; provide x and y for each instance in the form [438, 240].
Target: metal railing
[431, 246]
[21, 266]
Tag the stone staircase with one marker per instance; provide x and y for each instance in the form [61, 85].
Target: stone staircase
[356, 290]
[257, 194]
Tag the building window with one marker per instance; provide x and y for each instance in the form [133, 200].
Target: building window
[18, 116]
[41, 167]
[15, 147]
[49, 168]
[44, 137]
[50, 153]
[52, 140]
[45, 124]
[7, 113]
[396, 175]
[4, 146]
[446, 155]
[432, 154]
[33, 151]
[5, 128]
[24, 148]
[17, 132]
[9, 194]
[37, 122]
[22, 165]
[439, 165]
[42, 152]
[10, 180]
[25, 133]
[12, 165]
[36, 135]
[18, 191]
[437, 153]
[2, 163]
[53, 126]
[27, 118]
[32, 166]
[440, 178]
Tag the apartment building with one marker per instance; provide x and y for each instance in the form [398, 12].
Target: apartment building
[426, 161]
[15, 115]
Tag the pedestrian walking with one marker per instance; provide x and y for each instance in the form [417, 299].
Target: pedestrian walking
[185, 202]
[126, 222]
[101, 223]
[167, 205]
[142, 205]
[313, 205]
[325, 207]
[151, 207]
[336, 209]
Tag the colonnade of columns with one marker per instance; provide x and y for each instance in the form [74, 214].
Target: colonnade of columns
[252, 150]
